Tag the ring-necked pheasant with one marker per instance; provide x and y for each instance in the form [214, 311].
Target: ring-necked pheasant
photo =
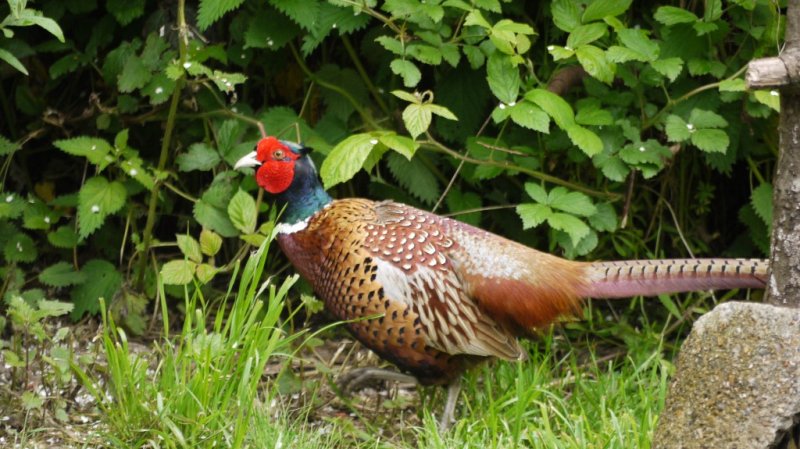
[445, 295]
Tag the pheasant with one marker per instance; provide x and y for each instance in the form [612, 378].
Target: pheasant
[435, 296]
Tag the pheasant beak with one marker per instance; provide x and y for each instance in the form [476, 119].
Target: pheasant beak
[249, 160]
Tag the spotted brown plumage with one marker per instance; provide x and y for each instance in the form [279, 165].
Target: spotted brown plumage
[434, 295]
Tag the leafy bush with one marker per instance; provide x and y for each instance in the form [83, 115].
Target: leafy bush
[611, 130]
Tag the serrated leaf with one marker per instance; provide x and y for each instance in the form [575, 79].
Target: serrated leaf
[214, 217]
[636, 39]
[761, 199]
[417, 118]
[210, 242]
[503, 77]
[566, 14]
[586, 34]
[134, 75]
[392, 44]
[302, 12]
[733, 85]
[600, 9]
[575, 203]
[401, 144]
[242, 212]
[677, 129]
[585, 139]
[670, 15]
[189, 247]
[701, 118]
[570, 224]
[612, 167]
[125, 11]
[414, 177]
[280, 31]
[594, 61]
[104, 282]
[528, 115]
[20, 248]
[98, 199]
[605, 219]
[212, 10]
[93, 149]
[63, 237]
[199, 156]
[205, 273]
[555, 106]
[177, 272]
[61, 274]
[7, 147]
[347, 158]
[669, 67]
[406, 70]
[537, 192]
[770, 98]
[533, 215]
[711, 140]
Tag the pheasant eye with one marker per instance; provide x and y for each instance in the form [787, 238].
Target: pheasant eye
[278, 154]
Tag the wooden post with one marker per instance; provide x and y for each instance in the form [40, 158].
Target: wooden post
[783, 73]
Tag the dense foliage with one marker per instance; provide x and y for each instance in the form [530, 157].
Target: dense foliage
[592, 129]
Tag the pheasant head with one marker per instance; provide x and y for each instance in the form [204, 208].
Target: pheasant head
[285, 171]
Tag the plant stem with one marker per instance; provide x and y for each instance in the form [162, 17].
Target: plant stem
[435, 145]
[364, 76]
[164, 157]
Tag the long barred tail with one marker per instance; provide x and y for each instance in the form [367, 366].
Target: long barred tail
[622, 279]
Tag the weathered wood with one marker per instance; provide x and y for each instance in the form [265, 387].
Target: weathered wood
[784, 284]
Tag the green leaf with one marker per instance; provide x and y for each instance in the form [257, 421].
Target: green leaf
[441, 111]
[770, 98]
[243, 213]
[280, 31]
[199, 156]
[210, 242]
[12, 60]
[302, 12]
[669, 67]
[159, 89]
[31, 401]
[98, 199]
[533, 214]
[104, 281]
[475, 56]
[677, 130]
[7, 147]
[586, 34]
[575, 203]
[701, 118]
[503, 76]
[414, 177]
[761, 199]
[537, 192]
[612, 167]
[347, 158]
[566, 14]
[214, 217]
[125, 11]
[528, 115]
[93, 149]
[392, 44]
[134, 75]
[600, 9]
[670, 15]
[733, 85]
[63, 237]
[61, 274]
[570, 224]
[417, 118]
[636, 39]
[406, 70]
[669, 304]
[206, 272]
[713, 10]
[20, 248]
[591, 114]
[475, 18]
[425, 53]
[711, 140]
[401, 144]
[212, 10]
[594, 61]
[36, 18]
[589, 142]
[605, 219]
[178, 272]
[189, 247]
[560, 53]
[555, 106]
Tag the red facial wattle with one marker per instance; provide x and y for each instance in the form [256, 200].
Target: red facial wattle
[275, 176]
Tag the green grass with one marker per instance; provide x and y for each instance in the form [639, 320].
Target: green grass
[203, 388]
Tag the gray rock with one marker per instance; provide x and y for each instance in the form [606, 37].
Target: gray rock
[737, 383]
